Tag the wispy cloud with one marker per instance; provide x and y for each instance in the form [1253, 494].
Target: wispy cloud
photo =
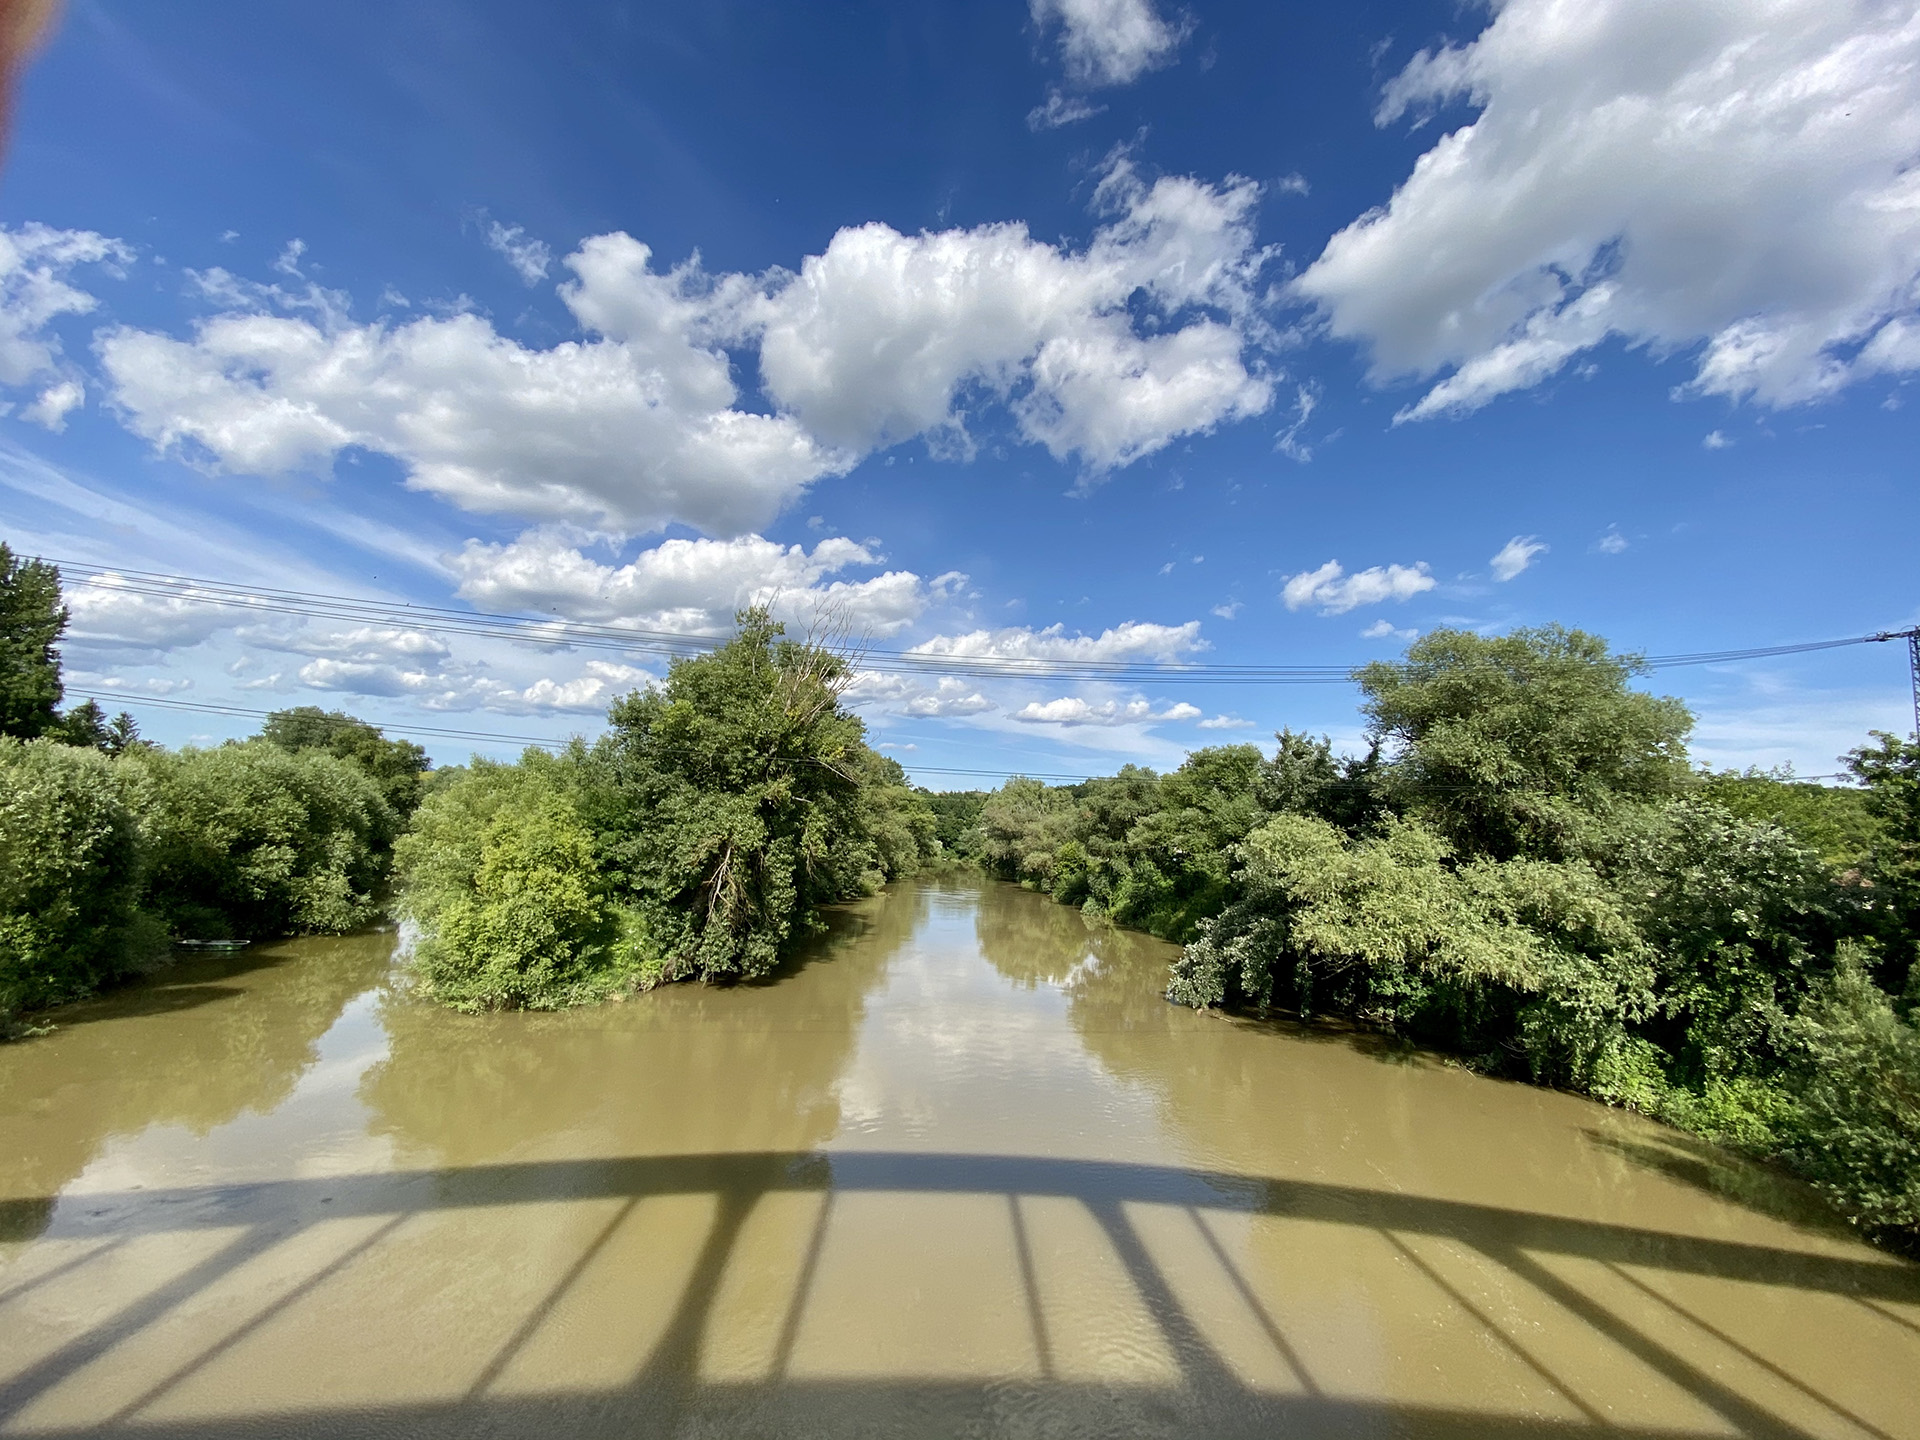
[1516, 555]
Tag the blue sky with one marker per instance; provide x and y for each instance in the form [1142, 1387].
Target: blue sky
[1242, 334]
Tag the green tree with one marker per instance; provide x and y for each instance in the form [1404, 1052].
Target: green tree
[954, 813]
[1856, 1130]
[1529, 953]
[1743, 919]
[399, 767]
[1529, 743]
[247, 840]
[1889, 768]
[1020, 827]
[32, 620]
[70, 873]
[87, 725]
[1832, 820]
[505, 882]
[739, 796]
[1305, 778]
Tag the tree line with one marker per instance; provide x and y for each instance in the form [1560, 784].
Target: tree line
[1525, 870]
[112, 850]
[693, 839]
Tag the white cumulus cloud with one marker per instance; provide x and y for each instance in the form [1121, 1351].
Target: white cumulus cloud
[909, 695]
[1103, 355]
[1736, 175]
[876, 340]
[1516, 555]
[1335, 592]
[109, 612]
[626, 434]
[1109, 42]
[55, 403]
[1073, 710]
[692, 586]
[1133, 640]
[36, 265]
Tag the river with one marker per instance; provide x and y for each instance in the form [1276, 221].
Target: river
[959, 1170]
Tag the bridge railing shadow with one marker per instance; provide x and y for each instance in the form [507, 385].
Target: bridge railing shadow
[1760, 1392]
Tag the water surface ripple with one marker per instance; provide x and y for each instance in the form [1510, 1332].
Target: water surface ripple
[958, 1170]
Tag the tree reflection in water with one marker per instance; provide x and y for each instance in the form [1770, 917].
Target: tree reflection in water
[663, 1218]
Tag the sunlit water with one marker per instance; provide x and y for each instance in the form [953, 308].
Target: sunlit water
[958, 1171]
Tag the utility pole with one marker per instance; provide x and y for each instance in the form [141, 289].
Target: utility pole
[1912, 637]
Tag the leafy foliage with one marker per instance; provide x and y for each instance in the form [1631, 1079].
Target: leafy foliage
[247, 840]
[1834, 822]
[1021, 827]
[1856, 1130]
[954, 814]
[1525, 870]
[1147, 850]
[87, 725]
[69, 875]
[397, 766]
[692, 841]
[31, 622]
[1890, 770]
[109, 845]
[1523, 744]
[504, 881]
[739, 796]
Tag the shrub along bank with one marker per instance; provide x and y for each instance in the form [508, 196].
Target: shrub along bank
[692, 840]
[112, 848]
[105, 861]
[1526, 870]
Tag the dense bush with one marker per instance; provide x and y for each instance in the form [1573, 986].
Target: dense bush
[1855, 1131]
[248, 840]
[1525, 870]
[504, 881]
[398, 767]
[1890, 770]
[739, 796]
[1834, 823]
[69, 875]
[954, 813]
[1523, 744]
[705, 829]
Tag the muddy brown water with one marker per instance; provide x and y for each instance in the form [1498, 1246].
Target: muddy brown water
[957, 1171]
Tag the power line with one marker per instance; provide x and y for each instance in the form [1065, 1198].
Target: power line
[121, 698]
[551, 633]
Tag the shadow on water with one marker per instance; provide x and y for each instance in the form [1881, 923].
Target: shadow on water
[1703, 1166]
[1348, 1035]
[665, 1394]
[502, 1281]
